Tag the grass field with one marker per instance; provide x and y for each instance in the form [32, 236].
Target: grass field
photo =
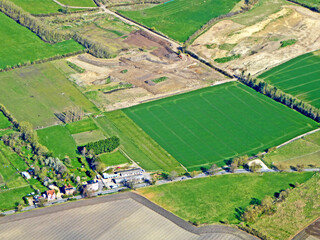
[315, 4]
[299, 77]
[217, 123]
[4, 122]
[58, 140]
[9, 198]
[21, 44]
[300, 208]
[49, 6]
[112, 159]
[84, 125]
[217, 198]
[304, 151]
[14, 158]
[181, 18]
[86, 137]
[37, 92]
[136, 143]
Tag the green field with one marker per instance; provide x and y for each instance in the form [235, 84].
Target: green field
[84, 125]
[21, 43]
[4, 122]
[213, 199]
[300, 209]
[217, 123]
[14, 158]
[86, 137]
[9, 175]
[49, 6]
[112, 159]
[299, 77]
[304, 151]
[181, 18]
[37, 92]
[9, 198]
[136, 143]
[58, 140]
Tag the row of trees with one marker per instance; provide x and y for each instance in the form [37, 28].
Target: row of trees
[102, 146]
[267, 89]
[35, 25]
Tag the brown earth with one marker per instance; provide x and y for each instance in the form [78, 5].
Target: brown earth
[259, 44]
[141, 67]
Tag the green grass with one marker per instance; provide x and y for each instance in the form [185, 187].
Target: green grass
[9, 198]
[14, 158]
[58, 140]
[179, 19]
[213, 124]
[4, 122]
[159, 80]
[288, 42]
[84, 125]
[227, 46]
[304, 151]
[227, 59]
[76, 67]
[112, 159]
[49, 6]
[21, 43]
[10, 177]
[37, 92]
[300, 209]
[261, 10]
[217, 198]
[299, 77]
[78, 3]
[86, 137]
[136, 143]
[117, 87]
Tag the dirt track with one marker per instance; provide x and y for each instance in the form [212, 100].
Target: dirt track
[120, 216]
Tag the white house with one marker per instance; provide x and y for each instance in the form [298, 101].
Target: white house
[109, 176]
[26, 175]
[130, 172]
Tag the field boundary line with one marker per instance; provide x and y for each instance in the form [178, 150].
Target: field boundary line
[298, 137]
[68, 6]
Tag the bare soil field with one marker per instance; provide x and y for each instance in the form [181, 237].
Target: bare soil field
[260, 43]
[121, 216]
[150, 72]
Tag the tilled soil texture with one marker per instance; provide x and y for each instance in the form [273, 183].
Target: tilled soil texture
[260, 44]
[141, 75]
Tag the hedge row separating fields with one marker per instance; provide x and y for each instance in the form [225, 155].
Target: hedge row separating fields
[195, 56]
[315, 9]
[8, 115]
[102, 146]
[280, 96]
[64, 13]
[8, 68]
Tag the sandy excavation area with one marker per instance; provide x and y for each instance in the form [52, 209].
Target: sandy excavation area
[260, 44]
[138, 74]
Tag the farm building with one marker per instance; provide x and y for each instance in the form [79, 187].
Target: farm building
[130, 172]
[26, 175]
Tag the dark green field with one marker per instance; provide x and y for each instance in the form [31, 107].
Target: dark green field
[214, 199]
[299, 77]
[218, 123]
[181, 18]
[22, 46]
[36, 93]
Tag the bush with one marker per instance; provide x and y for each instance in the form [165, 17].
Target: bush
[102, 146]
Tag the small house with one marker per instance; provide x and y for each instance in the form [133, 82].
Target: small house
[51, 195]
[92, 186]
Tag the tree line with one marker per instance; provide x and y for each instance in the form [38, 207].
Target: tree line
[102, 146]
[278, 95]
